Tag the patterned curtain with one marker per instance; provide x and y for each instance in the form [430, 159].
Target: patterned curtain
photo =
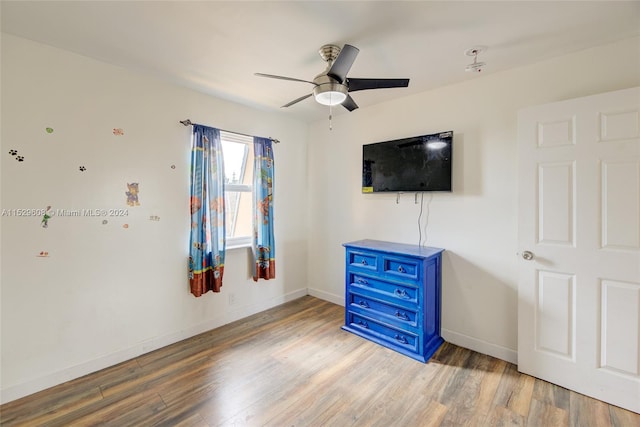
[264, 246]
[206, 245]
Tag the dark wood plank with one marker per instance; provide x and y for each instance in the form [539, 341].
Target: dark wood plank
[504, 417]
[588, 412]
[45, 405]
[543, 414]
[515, 391]
[623, 418]
[68, 396]
[551, 394]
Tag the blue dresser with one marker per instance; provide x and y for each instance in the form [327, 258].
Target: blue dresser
[393, 296]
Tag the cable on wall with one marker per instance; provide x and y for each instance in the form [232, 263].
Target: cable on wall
[420, 218]
[426, 219]
[426, 223]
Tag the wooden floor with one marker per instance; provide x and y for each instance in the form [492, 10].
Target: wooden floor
[293, 366]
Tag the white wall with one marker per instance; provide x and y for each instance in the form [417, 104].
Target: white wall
[105, 293]
[477, 222]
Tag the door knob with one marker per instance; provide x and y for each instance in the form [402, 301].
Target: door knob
[527, 255]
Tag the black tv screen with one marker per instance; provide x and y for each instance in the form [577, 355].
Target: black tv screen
[419, 163]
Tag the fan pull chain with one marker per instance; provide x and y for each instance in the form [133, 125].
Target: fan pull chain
[330, 117]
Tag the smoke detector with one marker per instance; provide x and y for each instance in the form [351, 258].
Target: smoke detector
[475, 67]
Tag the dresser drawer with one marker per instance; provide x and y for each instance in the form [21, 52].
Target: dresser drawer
[389, 334]
[395, 291]
[401, 316]
[364, 260]
[401, 268]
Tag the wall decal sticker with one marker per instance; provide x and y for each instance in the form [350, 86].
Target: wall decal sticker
[173, 166]
[43, 254]
[49, 130]
[125, 225]
[118, 131]
[132, 194]
[14, 153]
[154, 218]
[104, 222]
[46, 217]
[82, 168]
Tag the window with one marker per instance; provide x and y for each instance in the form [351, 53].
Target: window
[238, 166]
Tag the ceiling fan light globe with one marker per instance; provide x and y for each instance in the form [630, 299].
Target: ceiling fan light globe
[331, 98]
[330, 93]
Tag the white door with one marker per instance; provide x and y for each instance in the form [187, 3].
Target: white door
[579, 245]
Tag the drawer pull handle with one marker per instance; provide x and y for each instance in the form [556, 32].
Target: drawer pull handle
[401, 339]
[401, 293]
[362, 281]
[401, 269]
[363, 304]
[364, 262]
[363, 324]
[401, 315]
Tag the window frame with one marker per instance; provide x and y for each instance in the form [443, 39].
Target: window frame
[238, 241]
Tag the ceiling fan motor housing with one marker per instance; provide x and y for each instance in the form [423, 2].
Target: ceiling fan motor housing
[328, 90]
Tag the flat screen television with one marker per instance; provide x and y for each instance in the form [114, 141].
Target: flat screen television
[419, 163]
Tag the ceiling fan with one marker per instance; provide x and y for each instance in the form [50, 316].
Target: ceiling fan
[332, 86]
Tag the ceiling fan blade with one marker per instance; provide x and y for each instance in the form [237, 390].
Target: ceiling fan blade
[272, 76]
[343, 62]
[296, 101]
[364, 84]
[349, 103]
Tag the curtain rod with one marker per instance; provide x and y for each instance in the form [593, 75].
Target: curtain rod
[188, 122]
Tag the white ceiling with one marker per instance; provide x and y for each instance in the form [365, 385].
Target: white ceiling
[216, 46]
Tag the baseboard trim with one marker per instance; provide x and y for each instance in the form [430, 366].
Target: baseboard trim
[327, 296]
[480, 346]
[38, 384]
[240, 312]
